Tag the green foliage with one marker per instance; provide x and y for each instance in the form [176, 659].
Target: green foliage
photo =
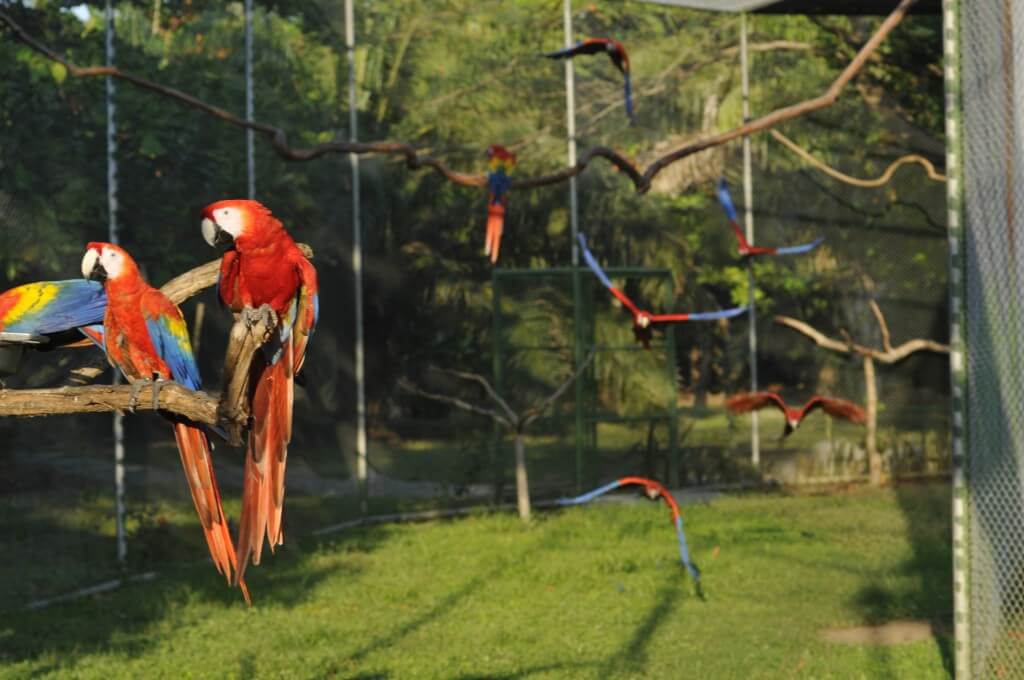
[453, 76]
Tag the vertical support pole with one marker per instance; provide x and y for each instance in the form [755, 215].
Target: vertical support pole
[357, 262]
[574, 224]
[119, 487]
[748, 198]
[570, 125]
[957, 341]
[673, 411]
[250, 149]
[499, 382]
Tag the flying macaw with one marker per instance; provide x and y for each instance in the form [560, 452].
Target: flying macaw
[49, 312]
[837, 408]
[746, 249]
[262, 266]
[644, 320]
[144, 335]
[653, 490]
[615, 51]
[500, 163]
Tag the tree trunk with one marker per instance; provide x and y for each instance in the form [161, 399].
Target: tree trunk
[871, 402]
[522, 485]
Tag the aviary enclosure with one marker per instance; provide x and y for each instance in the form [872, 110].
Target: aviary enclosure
[762, 198]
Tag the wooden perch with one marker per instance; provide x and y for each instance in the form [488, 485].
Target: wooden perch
[252, 329]
[198, 407]
[887, 355]
[414, 160]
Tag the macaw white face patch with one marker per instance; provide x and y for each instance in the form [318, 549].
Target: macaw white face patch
[112, 262]
[230, 220]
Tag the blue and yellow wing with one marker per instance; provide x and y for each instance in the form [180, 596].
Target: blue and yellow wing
[48, 307]
[169, 333]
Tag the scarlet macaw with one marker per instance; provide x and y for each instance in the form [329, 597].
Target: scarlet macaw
[500, 163]
[644, 320]
[837, 408]
[53, 309]
[144, 335]
[263, 266]
[746, 249]
[615, 51]
[653, 490]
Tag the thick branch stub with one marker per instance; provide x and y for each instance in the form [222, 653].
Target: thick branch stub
[198, 407]
[252, 329]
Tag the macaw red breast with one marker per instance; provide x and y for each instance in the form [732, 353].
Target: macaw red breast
[265, 274]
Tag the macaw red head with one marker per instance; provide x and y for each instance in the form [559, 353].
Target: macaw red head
[500, 156]
[106, 262]
[233, 221]
[617, 51]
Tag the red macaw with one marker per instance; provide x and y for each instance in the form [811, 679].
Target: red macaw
[501, 161]
[652, 490]
[263, 266]
[144, 335]
[643, 321]
[837, 408]
[615, 51]
[745, 248]
[49, 312]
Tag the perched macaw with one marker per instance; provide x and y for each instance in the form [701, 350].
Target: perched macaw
[643, 321]
[144, 335]
[746, 249]
[615, 51]
[54, 309]
[652, 490]
[263, 266]
[501, 161]
[837, 408]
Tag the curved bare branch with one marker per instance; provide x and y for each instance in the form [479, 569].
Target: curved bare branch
[640, 178]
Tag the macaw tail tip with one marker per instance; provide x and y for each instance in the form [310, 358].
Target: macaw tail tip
[495, 226]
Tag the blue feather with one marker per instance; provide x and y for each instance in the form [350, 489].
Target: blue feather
[726, 200]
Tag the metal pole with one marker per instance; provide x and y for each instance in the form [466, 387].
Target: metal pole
[577, 292]
[250, 157]
[570, 122]
[748, 198]
[962, 613]
[122, 543]
[357, 262]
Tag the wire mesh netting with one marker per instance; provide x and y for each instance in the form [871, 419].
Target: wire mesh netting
[992, 81]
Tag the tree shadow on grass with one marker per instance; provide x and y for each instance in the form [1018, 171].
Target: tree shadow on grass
[927, 574]
[632, 656]
[115, 621]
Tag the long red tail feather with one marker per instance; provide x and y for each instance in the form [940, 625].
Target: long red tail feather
[263, 492]
[194, 449]
[495, 225]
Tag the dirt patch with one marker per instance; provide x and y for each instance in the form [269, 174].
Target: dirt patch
[892, 633]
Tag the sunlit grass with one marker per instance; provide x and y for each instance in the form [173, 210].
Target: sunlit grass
[592, 592]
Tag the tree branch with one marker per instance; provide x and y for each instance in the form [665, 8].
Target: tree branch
[532, 414]
[413, 159]
[480, 380]
[890, 355]
[882, 325]
[455, 401]
[198, 407]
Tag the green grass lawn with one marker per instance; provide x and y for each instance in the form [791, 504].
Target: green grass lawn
[592, 592]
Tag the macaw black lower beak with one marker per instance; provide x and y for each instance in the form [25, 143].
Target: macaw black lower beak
[215, 236]
[98, 273]
[223, 239]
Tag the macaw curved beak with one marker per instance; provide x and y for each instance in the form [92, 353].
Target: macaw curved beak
[92, 268]
[215, 236]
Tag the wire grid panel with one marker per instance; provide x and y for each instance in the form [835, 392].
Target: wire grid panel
[992, 80]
